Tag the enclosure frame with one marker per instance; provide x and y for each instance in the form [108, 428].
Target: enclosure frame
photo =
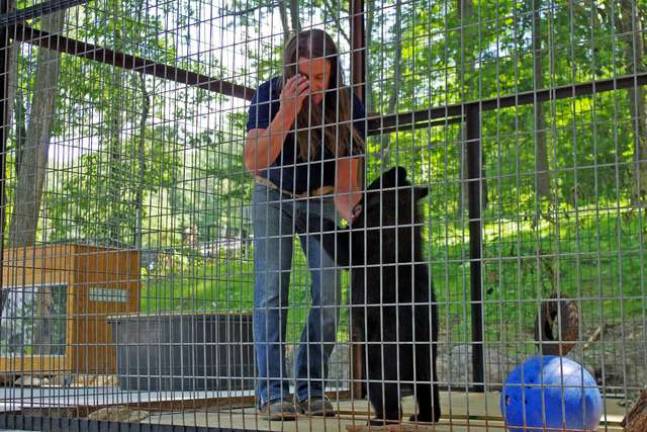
[13, 28]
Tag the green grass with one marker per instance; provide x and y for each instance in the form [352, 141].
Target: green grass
[199, 285]
[226, 285]
[595, 259]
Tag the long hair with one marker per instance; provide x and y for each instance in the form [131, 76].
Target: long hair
[335, 124]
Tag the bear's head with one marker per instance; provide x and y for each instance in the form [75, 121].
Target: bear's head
[391, 201]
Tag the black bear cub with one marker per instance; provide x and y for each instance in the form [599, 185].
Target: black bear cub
[392, 298]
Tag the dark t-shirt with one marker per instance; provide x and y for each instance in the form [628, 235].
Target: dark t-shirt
[289, 171]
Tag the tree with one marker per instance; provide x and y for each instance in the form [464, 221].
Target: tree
[34, 153]
[466, 76]
[542, 183]
[127, 165]
[631, 28]
[397, 77]
[13, 52]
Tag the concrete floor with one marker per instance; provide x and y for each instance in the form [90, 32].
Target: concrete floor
[462, 411]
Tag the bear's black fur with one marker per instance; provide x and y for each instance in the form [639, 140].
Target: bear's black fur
[383, 250]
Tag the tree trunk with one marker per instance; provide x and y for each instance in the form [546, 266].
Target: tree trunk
[541, 154]
[141, 157]
[284, 22]
[115, 173]
[369, 103]
[294, 14]
[12, 79]
[33, 168]
[332, 9]
[630, 24]
[395, 88]
[21, 128]
[465, 10]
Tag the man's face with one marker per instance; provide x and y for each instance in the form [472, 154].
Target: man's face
[317, 71]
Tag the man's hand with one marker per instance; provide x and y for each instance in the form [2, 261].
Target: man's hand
[295, 91]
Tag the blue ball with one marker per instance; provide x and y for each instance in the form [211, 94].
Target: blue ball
[547, 392]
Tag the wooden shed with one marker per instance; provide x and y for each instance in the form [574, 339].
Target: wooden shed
[55, 301]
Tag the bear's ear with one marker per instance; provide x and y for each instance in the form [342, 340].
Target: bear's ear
[394, 177]
[420, 192]
[401, 176]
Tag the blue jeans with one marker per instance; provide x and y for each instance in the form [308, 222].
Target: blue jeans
[274, 216]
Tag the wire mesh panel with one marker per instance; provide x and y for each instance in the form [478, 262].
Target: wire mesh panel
[318, 215]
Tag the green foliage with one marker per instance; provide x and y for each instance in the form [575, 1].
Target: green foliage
[175, 152]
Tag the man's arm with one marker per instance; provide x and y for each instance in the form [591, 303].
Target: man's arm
[348, 186]
[263, 146]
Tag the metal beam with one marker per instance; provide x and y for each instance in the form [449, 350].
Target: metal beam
[422, 118]
[474, 193]
[358, 68]
[5, 51]
[70, 424]
[563, 92]
[358, 48]
[130, 62]
[376, 124]
[389, 123]
[22, 15]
